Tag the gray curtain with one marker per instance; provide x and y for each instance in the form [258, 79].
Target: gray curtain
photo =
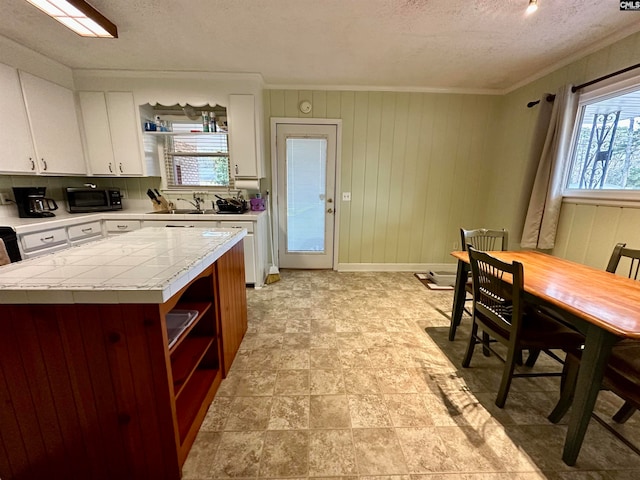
[541, 222]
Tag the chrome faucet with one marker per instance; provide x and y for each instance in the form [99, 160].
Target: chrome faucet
[197, 202]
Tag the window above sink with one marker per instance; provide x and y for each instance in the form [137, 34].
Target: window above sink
[193, 145]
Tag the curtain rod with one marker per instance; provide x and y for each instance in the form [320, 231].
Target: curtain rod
[551, 98]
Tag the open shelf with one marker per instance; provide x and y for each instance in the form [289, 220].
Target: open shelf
[193, 398]
[202, 308]
[185, 360]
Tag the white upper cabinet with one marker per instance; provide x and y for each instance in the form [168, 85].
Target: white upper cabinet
[112, 133]
[18, 155]
[244, 148]
[54, 127]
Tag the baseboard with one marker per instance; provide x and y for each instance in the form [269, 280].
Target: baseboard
[395, 267]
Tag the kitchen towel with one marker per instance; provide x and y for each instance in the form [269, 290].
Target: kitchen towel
[247, 185]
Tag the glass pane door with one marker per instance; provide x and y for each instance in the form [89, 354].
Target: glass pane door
[306, 184]
[306, 169]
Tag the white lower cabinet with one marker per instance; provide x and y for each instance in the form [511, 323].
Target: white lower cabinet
[179, 223]
[116, 227]
[249, 249]
[254, 271]
[84, 232]
[50, 240]
[46, 241]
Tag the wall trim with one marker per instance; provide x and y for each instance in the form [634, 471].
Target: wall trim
[386, 88]
[395, 267]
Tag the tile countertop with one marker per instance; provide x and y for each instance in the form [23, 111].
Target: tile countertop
[148, 265]
[63, 219]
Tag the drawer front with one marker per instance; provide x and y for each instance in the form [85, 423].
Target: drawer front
[121, 226]
[179, 223]
[48, 238]
[77, 232]
[232, 224]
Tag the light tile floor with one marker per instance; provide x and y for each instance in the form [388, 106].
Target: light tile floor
[337, 377]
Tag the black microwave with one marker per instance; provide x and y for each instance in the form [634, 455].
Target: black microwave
[85, 200]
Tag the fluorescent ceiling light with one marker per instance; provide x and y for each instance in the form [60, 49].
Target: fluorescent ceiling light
[79, 16]
[533, 6]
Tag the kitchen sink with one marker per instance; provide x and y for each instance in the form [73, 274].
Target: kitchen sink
[188, 211]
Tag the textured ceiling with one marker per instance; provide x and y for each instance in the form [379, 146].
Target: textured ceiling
[427, 44]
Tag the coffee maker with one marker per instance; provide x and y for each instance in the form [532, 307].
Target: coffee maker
[32, 203]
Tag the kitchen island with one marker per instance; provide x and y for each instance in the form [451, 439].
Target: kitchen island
[111, 352]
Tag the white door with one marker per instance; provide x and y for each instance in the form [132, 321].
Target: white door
[306, 157]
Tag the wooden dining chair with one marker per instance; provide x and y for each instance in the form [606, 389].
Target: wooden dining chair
[483, 239]
[622, 375]
[500, 311]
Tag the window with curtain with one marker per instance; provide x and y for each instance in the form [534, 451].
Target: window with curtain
[605, 153]
[196, 159]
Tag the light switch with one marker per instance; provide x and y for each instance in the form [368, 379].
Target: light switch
[346, 196]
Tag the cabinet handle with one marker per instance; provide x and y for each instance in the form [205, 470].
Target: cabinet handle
[44, 163]
[110, 169]
[87, 230]
[33, 163]
[237, 169]
[122, 227]
[46, 239]
[120, 167]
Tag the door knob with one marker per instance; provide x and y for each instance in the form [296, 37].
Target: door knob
[330, 210]
[329, 200]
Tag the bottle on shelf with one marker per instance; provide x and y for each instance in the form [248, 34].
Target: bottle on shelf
[205, 121]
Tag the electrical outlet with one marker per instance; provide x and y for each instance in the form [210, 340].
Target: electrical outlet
[4, 198]
[346, 196]
[456, 246]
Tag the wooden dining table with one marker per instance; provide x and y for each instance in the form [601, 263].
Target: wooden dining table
[604, 306]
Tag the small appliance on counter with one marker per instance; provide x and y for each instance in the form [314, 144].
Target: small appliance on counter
[92, 199]
[32, 203]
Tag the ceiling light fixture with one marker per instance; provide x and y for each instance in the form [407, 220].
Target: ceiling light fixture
[533, 6]
[79, 16]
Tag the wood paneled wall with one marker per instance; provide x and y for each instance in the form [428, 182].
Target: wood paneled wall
[415, 164]
[420, 165]
[586, 233]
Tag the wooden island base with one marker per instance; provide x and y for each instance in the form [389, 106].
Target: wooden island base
[92, 391]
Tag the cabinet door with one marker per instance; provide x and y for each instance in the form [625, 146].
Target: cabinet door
[250, 267]
[96, 132]
[242, 137]
[18, 155]
[124, 133]
[54, 125]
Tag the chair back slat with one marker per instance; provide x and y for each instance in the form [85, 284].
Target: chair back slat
[622, 254]
[484, 239]
[497, 288]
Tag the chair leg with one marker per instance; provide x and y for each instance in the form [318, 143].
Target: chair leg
[507, 376]
[472, 343]
[532, 358]
[567, 389]
[624, 413]
[485, 344]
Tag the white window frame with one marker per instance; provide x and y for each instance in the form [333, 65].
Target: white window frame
[166, 161]
[612, 88]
